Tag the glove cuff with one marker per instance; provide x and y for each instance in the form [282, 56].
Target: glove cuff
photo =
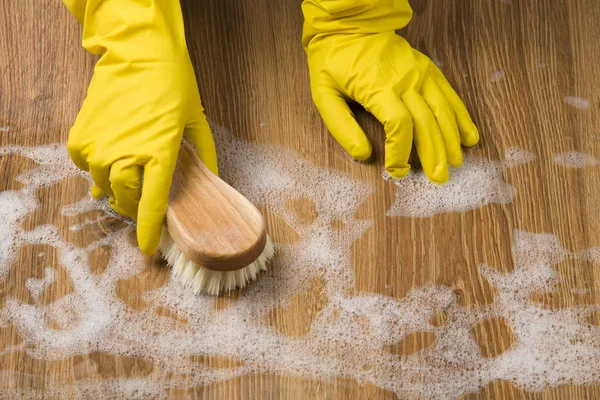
[326, 17]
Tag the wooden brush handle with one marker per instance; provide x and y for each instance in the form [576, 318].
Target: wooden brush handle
[214, 225]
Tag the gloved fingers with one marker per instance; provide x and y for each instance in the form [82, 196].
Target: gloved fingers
[125, 182]
[341, 123]
[153, 204]
[446, 120]
[397, 122]
[100, 176]
[97, 193]
[200, 134]
[113, 204]
[469, 134]
[77, 155]
[428, 138]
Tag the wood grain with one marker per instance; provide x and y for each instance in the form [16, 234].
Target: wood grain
[253, 80]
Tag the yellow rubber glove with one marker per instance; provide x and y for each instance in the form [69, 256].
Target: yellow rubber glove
[354, 54]
[142, 98]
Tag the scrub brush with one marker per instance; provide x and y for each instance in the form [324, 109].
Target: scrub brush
[214, 239]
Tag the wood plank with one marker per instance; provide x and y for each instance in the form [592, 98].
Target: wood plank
[512, 61]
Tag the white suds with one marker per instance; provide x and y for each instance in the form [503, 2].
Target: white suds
[13, 207]
[346, 339]
[437, 62]
[497, 76]
[37, 286]
[577, 102]
[5, 128]
[475, 184]
[575, 159]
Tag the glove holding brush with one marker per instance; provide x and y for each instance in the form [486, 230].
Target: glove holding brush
[142, 100]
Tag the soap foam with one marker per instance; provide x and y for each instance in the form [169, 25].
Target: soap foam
[475, 184]
[13, 207]
[497, 76]
[575, 159]
[37, 286]
[580, 103]
[347, 338]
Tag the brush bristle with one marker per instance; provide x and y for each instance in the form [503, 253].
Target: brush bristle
[201, 279]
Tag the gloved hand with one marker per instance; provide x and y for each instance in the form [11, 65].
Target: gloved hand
[142, 98]
[354, 54]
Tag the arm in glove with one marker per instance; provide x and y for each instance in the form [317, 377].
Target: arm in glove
[354, 54]
[142, 98]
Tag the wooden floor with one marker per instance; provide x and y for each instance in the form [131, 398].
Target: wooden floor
[253, 80]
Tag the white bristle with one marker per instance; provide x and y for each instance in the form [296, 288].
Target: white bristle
[205, 280]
